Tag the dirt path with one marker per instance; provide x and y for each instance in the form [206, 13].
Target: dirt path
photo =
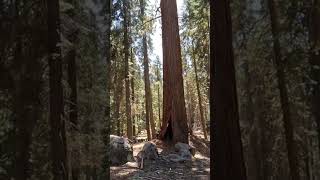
[162, 169]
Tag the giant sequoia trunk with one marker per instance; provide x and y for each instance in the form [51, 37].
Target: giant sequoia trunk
[174, 124]
[284, 100]
[226, 144]
[57, 123]
[315, 61]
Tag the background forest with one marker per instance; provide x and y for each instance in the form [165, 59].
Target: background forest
[66, 86]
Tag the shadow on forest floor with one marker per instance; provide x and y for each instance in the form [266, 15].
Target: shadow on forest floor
[198, 168]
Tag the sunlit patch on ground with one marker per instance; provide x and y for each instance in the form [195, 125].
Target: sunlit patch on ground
[198, 169]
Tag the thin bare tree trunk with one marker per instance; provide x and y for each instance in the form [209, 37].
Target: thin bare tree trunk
[118, 92]
[148, 96]
[159, 105]
[148, 101]
[152, 124]
[133, 96]
[203, 123]
[158, 92]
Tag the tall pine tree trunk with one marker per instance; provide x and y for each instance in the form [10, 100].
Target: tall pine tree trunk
[126, 67]
[57, 123]
[118, 92]
[148, 98]
[174, 110]
[133, 96]
[190, 108]
[152, 123]
[227, 162]
[117, 104]
[158, 92]
[284, 100]
[159, 105]
[148, 101]
[203, 123]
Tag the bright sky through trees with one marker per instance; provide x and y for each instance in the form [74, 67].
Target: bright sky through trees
[157, 36]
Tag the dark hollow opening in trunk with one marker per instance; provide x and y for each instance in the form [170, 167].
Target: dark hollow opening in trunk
[168, 136]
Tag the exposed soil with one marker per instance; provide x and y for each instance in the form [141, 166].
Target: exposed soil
[163, 169]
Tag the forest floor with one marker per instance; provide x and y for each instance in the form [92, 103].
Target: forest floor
[162, 169]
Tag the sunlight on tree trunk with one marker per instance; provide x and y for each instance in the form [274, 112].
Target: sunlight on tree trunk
[174, 110]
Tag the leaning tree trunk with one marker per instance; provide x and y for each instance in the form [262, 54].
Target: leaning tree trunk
[126, 67]
[314, 34]
[57, 123]
[284, 100]
[228, 162]
[174, 110]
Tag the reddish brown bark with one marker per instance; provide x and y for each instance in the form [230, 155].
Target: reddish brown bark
[174, 110]
[226, 147]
